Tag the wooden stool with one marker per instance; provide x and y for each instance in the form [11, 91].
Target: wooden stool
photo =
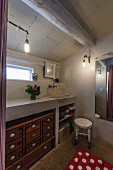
[83, 124]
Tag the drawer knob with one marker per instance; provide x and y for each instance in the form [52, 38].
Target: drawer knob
[45, 147]
[48, 135]
[48, 127]
[33, 126]
[12, 146]
[48, 120]
[12, 158]
[34, 135]
[12, 135]
[33, 144]
[18, 167]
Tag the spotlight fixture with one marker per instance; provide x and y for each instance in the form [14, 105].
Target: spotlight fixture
[88, 57]
[26, 45]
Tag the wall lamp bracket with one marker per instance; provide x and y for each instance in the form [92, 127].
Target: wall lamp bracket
[88, 57]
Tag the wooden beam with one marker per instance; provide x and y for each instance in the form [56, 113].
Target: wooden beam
[53, 11]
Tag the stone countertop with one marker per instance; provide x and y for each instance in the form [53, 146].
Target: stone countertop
[26, 101]
[18, 108]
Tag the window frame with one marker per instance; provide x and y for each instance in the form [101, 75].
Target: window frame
[30, 69]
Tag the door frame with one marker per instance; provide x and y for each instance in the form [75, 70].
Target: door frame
[3, 42]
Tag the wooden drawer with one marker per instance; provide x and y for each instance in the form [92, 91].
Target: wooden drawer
[32, 126]
[14, 134]
[20, 165]
[10, 147]
[47, 136]
[14, 156]
[47, 120]
[27, 161]
[47, 128]
[31, 146]
[42, 150]
[33, 135]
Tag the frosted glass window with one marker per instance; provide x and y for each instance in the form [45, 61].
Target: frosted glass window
[15, 72]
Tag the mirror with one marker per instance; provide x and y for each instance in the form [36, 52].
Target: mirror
[49, 70]
[104, 89]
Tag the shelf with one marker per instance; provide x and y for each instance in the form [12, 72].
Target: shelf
[66, 117]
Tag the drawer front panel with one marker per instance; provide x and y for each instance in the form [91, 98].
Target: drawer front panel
[45, 148]
[33, 135]
[47, 136]
[48, 128]
[10, 147]
[18, 166]
[31, 146]
[14, 134]
[47, 120]
[32, 126]
[14, 156]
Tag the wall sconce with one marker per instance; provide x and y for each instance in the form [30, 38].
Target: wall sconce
[88, 57]
[99, 71]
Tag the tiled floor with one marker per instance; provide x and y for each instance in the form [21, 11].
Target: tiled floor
[58, 158]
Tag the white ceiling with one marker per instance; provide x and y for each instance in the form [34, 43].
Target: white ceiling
[95, 15]
[46, 40]
[49, 42]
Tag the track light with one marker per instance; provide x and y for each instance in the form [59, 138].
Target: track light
[26, 46]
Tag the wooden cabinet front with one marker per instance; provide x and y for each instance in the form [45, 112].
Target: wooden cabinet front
[32, 138]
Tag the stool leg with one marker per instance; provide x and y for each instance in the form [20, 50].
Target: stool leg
[89, 138]
[76, 135]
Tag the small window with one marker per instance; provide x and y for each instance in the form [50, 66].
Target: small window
[15, 72]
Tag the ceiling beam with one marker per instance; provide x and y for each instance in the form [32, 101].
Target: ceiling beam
[53, 11]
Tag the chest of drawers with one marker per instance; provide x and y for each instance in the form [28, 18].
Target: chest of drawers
[33, 138]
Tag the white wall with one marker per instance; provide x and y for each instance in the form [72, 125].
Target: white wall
[81, 82]
[16, 88]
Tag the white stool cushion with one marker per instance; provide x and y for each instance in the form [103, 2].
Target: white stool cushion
[83, 123]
